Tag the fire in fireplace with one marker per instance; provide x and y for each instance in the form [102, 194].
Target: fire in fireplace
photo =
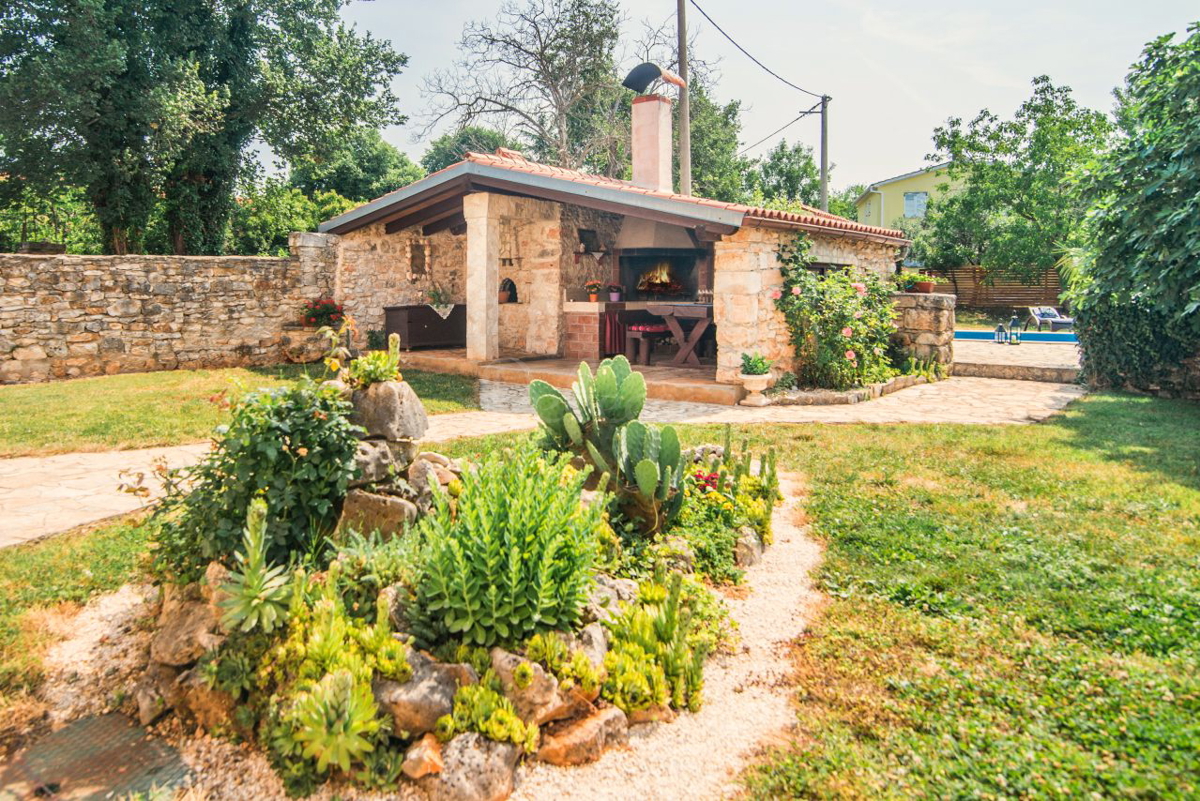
[662, 274]
[658, 280]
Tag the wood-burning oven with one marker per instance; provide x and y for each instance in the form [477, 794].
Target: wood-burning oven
[663, 273]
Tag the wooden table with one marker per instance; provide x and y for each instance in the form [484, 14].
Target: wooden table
[672, 313]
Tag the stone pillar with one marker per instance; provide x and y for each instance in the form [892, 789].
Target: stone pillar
[745, 274]
[317, 258]
[925, 325]
[483, 277]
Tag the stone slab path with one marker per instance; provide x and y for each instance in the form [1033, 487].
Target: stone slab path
[47, 495]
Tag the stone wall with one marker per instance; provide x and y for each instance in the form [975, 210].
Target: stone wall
[70, 316]
[925, 325]
[578, 271]
[746, 273]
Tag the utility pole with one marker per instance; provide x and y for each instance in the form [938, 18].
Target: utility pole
[824, 152]
[685, 110]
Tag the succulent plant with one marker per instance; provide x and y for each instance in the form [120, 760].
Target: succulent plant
[335, 721]
[258, 593]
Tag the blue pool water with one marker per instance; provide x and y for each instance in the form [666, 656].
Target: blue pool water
[1026, 336]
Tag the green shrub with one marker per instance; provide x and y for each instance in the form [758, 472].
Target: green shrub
[840, 323]
[334, 721]
[1128, 343]
[376, 339]
[482, 708]
[368, 564]
[510, 556]
[292, 446]
[375, 366]
[755, 364]
[258, 593]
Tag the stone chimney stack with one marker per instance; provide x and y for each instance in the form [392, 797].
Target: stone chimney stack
[652, 142]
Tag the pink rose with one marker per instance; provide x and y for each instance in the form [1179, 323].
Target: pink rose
[776, 295]
[851, 356]
[847, 331]
[795, 290]
[859, 288]
[858, 315]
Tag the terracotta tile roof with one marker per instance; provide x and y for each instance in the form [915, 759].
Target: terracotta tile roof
[809, 218]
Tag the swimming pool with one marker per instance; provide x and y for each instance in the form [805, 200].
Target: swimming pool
[1026, 336]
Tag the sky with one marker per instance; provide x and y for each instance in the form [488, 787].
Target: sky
[895, 70]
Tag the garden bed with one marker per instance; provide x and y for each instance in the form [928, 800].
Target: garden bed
[832, 397]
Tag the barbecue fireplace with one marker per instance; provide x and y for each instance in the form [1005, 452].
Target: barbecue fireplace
[661, 274]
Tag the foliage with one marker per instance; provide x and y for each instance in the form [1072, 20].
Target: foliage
[323, 312]
[542, 69]
[376, 366]
[844, 202]
[708, 523]
[258, 593]
[266, 213]
[368, 564]
[362, 167]
[719, 171]
[376, 339]
[907, 281]
[1136, 294]
[648, 472]
[294, 447]
[840, 323]
[451, 147]
[572, 668]
[334, 721]
[755, 364]
[182, 89]
[510, 556]
[482, 708]
[650, 662]
[1017, 209]
[54, 214]
[787, 173]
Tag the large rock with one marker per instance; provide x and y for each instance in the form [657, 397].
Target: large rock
[475, 769]
[365, 512]
[187, 627]
[216, 576]
[540, 700]
[390, 410]
[211, 708]
[423, 758]
[748, 549]
[593, 641]
[606, 596]
[373, 462]
[416, 705]
[582, 741]
[422, 475]
[155, 693]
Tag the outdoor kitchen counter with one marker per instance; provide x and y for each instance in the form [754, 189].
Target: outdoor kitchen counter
[585, 306]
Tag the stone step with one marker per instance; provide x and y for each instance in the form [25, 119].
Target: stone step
[1019, 372]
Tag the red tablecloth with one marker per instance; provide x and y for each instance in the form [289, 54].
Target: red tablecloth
[614, 333]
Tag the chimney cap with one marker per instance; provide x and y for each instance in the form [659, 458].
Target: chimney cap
[641, 76]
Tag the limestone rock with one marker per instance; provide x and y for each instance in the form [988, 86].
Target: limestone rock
[416, 704]
[390, 410]
[186, 629]
[583, 741]
[211, 708]
[341, 386]
[593, 641]
[421, 477]
[154, 692]
[423, 758]
[216, 575]
[436, 458]
[396, 598]
[475, 769]
[404, 452]
[606, 596]
[373, 461]
[748, 549]
[540, 700]
[365, 512]
[654, 714]
[678, 554]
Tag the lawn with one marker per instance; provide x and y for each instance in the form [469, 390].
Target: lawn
[1014, 611]
[141, 410]
[985, 319]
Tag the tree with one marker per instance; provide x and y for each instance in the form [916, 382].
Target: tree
[545, 70]
[451, 147]
[787, 173]
[844, 203]
[718, 171]
[137, 99]
[266, 212]
[1016, 178]
[364, 168]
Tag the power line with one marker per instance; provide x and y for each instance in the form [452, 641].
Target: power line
[802, 115]
[752, 58]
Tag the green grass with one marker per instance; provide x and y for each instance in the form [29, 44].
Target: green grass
[141, 410]
[985, 319]
[1015, 610]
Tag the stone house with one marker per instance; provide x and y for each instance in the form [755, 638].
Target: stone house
[544, 231]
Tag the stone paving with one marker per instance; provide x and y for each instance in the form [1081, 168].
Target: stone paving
[46, 495]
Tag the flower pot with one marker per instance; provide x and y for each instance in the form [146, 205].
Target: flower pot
[924, 287]
[504, 296]
[614, 297]
[594, 297]
[755, 384]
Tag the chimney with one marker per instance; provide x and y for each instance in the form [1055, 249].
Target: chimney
[652, 143]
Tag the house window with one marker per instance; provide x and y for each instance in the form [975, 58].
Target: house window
[915, 203]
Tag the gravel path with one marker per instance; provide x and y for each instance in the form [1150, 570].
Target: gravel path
[747, 696]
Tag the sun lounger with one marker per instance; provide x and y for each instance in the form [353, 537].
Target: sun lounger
[1048, 315]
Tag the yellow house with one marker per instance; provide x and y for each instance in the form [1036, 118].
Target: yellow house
[884, 203]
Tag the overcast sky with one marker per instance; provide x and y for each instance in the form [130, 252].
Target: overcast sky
[894, 69]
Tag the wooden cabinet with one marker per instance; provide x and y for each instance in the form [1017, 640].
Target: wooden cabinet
[422, 327]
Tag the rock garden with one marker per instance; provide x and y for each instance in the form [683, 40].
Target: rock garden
[373, 616]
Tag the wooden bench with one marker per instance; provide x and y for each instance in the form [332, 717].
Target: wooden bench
[639, 342]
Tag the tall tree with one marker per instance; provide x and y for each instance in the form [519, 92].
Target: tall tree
[787, 172]
[133, 99]
[544, 70]
[718, 171]
[451, 147]
[364, 168]
[1016, 178]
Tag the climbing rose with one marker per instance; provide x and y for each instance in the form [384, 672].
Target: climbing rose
[858, 315]
[776, 295]
[859, 288]
[850, 356]
[795, 290]
[847, 331]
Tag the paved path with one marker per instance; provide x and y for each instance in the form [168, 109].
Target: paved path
[1027, 354]
[47, 495]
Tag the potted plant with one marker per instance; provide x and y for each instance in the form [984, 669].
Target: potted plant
[593, 290]
[755, 377]
[614, 292]
[924, 284]
[907, 281]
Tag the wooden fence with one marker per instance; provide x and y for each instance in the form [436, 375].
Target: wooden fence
[973, 292]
